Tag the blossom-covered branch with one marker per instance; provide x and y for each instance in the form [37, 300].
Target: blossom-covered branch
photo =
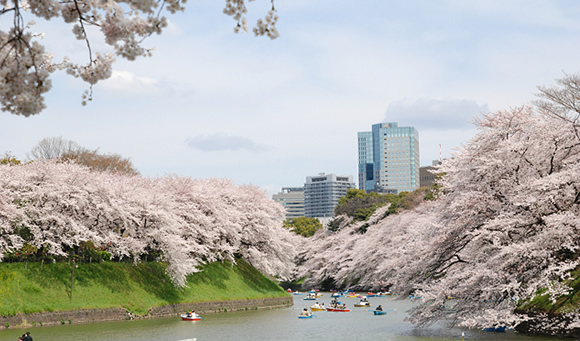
[25, 65]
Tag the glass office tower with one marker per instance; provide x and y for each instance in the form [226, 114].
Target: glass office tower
[395, 160]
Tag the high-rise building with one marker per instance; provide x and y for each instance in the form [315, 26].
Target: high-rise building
[366, 173]
[321, 194]
[388, 158]
[292, 199]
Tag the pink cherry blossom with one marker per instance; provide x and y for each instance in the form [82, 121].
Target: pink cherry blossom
[190, 221]
[25, 65]
[505, 227]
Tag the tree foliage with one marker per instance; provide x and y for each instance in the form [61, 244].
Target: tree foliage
[505, 227]
[58, 207]
[66, 150]
[9, 159]
[361, 205]
[113, 163]
[304, 226]
[25, 65]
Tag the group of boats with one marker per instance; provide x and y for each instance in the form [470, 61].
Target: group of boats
[350, 293]
[337, 306]
[312, 295]
[334, 306]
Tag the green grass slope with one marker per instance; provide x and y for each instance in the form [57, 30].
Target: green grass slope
[35, 287]
[563, 304]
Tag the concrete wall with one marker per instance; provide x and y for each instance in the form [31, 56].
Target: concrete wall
[118, 314]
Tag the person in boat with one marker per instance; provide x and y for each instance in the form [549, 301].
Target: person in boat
[379, 308]
[316, 305]
[191, 313]
[305, 312]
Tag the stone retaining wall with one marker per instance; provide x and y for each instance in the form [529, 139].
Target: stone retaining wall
[118, 314]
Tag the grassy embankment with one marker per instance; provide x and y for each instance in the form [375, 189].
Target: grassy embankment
[35, 287]
[543, 304]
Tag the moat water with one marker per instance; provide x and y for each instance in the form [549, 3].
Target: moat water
[279, 324]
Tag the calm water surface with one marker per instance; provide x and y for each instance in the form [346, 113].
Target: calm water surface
[280, 324]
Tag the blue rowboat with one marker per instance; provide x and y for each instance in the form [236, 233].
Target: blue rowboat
[305, 317]
[379, 312]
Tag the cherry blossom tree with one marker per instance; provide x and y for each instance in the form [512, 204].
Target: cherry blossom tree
[507, 220]
[503, 230]
[26, 66]
[188, 222]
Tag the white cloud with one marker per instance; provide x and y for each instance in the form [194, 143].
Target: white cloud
[224, 142]
[434, 113]
[128, 83]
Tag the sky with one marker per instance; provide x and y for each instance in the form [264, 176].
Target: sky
[212, 103]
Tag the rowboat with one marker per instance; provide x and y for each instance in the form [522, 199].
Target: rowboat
[305, 316]
[379, 312]
[362, 304]
[184, 317]
[317, 308]
[345, 310]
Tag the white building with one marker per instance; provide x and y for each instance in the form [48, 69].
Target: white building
[292, 198]
[321, 194]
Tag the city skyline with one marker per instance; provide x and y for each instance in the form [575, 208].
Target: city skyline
[211, 103]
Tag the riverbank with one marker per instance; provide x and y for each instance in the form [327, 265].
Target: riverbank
[121, 314]
[37, 294]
